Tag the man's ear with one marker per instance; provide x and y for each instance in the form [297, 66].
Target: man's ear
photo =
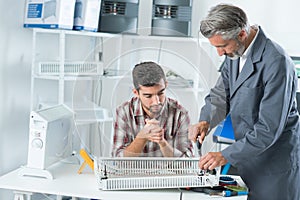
[135, 92]
[242, 34]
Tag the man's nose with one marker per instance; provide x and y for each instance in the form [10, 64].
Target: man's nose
[220, 51]
[155, 99]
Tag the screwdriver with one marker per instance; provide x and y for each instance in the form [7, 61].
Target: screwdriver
[229, 193]
[199, 147]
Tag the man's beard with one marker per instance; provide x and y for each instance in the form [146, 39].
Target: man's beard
[154, 109]
[238, 53]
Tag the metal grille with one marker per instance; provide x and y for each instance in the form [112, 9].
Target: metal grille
[165, 11]
[151, 173]
[114, 8]
[71, 68]
[180, 13]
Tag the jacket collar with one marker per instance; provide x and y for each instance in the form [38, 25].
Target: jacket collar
[254, 57]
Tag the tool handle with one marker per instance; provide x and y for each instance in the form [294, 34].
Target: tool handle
[198, 145]
[229, 193]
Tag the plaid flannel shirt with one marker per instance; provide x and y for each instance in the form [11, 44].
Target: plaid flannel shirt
[174, 119]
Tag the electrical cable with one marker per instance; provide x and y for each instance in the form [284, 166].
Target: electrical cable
[180, 195]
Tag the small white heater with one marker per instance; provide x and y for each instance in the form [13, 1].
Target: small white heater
[48, 140]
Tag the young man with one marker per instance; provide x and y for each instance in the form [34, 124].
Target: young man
[257, 87]
[150, 124]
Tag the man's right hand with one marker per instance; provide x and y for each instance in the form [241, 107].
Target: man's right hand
[198, 131]
[151, 131]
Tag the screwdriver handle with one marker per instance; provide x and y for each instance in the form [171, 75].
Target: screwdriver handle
[229, 193]
[198, 145]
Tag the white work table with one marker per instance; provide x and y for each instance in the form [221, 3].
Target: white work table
[67, 182]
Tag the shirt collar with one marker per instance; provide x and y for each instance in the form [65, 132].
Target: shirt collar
[248, 50]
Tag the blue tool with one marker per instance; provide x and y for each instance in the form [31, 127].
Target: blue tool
[229, 193]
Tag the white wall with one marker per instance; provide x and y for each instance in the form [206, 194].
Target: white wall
[279, 19]
[15, 58]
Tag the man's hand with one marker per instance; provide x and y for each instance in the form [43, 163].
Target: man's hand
[151, 131]
[198, 131]
[212, 160]
[157, 137]
[157, 134]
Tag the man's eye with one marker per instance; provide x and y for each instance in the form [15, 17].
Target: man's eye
[222, 46]
[225, 45]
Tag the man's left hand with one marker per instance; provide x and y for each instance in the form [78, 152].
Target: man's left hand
[212, 160]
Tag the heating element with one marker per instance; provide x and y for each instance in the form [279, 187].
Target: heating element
[152, 173]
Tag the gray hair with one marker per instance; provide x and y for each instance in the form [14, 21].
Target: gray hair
[147, 74]
[225, 20]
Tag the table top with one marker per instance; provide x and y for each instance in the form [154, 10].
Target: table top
[67, 182]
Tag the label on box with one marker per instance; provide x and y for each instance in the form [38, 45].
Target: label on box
[35, 10]
[49, 14]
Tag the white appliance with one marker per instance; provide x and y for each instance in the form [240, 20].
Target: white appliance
[49, 140]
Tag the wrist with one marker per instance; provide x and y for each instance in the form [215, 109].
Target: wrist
[163, 144]
[139, 138]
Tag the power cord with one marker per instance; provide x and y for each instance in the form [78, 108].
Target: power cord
[180, 195]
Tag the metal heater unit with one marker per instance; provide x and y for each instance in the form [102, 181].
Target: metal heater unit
[48, 140]
[119, 16]
[152, 173]
[171, 17]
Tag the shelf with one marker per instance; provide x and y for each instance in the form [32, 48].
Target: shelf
[88, 112]
[160, 38]
[68, 78]
[200, 90]
[111, 35]
[73, 32]
[91, 121]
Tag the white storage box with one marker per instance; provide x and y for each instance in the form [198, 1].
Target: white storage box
[49, 14]
[86, 15]
[151, 173]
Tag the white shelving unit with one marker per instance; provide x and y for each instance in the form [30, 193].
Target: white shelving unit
[58, 66]
[90, 73]
[66, 69]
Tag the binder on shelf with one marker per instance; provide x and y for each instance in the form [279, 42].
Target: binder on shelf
[224, 132]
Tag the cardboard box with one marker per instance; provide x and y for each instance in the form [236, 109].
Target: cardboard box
[49, 14]
[86, 15]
